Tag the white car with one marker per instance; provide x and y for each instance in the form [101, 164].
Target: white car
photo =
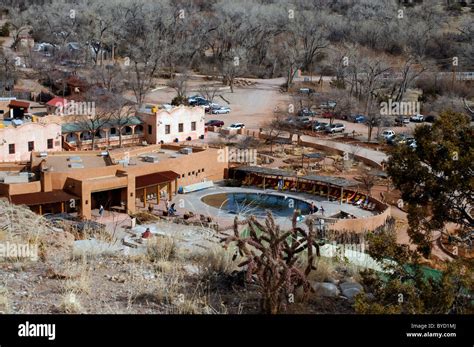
[417, 118]
[236, 126]
[220, 110]
[387, 134]
[335, 128]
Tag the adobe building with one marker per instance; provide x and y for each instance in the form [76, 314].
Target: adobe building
[150, 126]
[17, 142]
[180, 123]
[79, 182]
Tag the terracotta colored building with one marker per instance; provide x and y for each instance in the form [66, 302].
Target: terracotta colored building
[79, 182]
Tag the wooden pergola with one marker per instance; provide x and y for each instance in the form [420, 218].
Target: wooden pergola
[153, 183]
[328, 181]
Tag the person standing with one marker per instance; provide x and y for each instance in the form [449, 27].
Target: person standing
[313, 209]
[322, 210]
[101, 210]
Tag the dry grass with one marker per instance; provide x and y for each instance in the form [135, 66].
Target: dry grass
[218, 261]
[325, 269]
[146, 217]
[70, 304]
[21, 224]
[81, 284]
[4, 303]
[165, 266]
[161, 248]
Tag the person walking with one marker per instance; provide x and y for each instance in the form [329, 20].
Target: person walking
[313, 209]
[322, 210]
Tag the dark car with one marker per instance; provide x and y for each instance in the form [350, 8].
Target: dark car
[306, 112]
[306, 90]
[430, 119]
[320, 126]
[215, 123]
[402, 120]
[328, 115]
[357, 118]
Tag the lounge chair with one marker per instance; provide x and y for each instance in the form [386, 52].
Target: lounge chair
[359, 202]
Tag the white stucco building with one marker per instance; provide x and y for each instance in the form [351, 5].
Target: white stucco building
[17, 142]
[180, 123]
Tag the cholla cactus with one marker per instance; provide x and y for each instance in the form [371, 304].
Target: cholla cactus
[271, 256]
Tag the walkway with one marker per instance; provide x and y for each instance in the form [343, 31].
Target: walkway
[370, 154]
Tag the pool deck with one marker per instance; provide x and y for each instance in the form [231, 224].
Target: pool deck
[192, 202]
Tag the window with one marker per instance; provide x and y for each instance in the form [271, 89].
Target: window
[11, 148]
[180, 127]
[150, 130]
[183, 175]
[31, 146]
[189, 173]
[167, 129]
[50, 143]
[113, 131]
[202, 170]
[193, 126]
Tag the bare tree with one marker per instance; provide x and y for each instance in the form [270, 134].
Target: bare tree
[180, 84]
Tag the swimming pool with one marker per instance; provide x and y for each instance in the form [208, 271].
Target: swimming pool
[256, 204]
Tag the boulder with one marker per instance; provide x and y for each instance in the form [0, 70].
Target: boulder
[351, 289]
[326, 289]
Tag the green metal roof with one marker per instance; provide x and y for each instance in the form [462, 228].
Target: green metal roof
[73, 127]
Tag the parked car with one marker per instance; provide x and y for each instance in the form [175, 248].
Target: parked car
[341, 116]
[303, 121]
[430, 119]
[335, 128]
[417, 118]
[328, 115]
[328, 104]
[215, 123]
[193, 100]
[306, 90]
[358, 118]
[306, 112]
[236, 126]
[402, 120]
[397, 139]
[411, 142]
[387, 134]
[320, 126]
[220, 110]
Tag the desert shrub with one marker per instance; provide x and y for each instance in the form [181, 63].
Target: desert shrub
[161, 248]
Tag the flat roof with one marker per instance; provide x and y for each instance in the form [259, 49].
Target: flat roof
[160, 155]
[62, 162]
[41, 198]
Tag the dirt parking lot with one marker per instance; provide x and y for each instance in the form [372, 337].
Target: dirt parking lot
[254, 105]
